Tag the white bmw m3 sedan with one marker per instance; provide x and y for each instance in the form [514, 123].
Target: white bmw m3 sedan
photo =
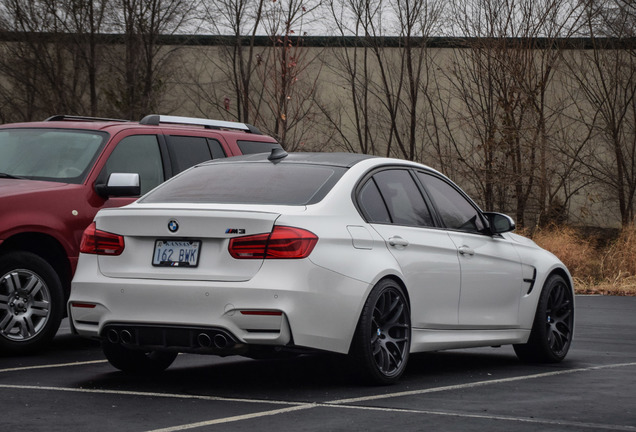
[372, 257]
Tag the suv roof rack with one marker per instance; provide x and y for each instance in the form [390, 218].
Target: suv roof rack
[155, 120]
[61, 117]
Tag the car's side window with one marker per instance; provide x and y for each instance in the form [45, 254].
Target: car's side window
[454, 209]
[186, 151]
[403, 198]
[137, 154]
[372, 204]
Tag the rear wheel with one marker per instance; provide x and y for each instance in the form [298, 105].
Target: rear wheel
[31, 302]
[553, 326]
[137, 361]
[382, 340]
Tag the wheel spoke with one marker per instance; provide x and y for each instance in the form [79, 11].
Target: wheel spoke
[7, 324]
[28, 329]
[10, 283]
[33, 286]
[39, 312]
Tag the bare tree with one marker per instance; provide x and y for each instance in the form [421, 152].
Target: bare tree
[288, 74]
[503, 78]
[83, 21]
[137, 84]
[605, 80]
[388, 84]
[42, 71]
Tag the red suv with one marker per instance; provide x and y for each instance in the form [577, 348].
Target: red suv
[54, 177]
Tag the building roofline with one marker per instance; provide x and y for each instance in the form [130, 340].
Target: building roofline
[335, 41]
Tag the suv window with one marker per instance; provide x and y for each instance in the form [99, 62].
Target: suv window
[403, 198]
[454, 209]
[250, 147]
[49, 154]
[137, 154]
[186, 151]
[216, 148]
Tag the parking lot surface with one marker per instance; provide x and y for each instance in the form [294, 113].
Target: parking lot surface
[72, 387]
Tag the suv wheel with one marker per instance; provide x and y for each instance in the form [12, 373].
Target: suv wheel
[31, 302]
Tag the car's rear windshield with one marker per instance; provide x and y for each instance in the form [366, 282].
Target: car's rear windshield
[61, 155]
[249, 183]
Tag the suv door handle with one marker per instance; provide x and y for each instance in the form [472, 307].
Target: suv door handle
[465, 250]
[398, 241]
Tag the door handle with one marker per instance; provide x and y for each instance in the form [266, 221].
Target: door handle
[465, 250]
[398, 241]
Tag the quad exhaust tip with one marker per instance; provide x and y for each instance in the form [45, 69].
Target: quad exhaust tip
[204, 339]
[112, 336]
[116, 337]
[219, 341]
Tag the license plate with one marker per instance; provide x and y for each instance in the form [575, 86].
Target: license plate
[176, 253]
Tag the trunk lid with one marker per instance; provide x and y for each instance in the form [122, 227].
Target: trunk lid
[213, 228]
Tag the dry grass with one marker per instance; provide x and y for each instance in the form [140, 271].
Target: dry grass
[598, 267]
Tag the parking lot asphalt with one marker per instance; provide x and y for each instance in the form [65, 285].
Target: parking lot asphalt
[71, 387]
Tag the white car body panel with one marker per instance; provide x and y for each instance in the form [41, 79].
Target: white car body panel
[491, 281]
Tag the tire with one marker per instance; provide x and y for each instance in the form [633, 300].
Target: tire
[382, 341]
[553, 325]
[137, 361]
[31, 303]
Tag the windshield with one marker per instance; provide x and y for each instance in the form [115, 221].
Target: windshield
[249, 183]
[60, 155]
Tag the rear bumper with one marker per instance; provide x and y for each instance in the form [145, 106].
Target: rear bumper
[285, 304]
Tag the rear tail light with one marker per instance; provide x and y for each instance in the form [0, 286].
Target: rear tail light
[282, 243]
[99, 242]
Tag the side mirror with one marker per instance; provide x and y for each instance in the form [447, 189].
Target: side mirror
[120, 185]
[500, 223]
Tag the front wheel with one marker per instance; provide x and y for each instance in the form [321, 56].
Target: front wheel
[553, 325]
[137, 361]
[381, 343]
[31, 302]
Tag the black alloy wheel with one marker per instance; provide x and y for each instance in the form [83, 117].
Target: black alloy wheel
[553, 326]
[382, 341]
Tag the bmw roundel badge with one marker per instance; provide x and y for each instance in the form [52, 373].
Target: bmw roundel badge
[173, 226]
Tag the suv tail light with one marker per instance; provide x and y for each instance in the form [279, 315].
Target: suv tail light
[282, 243]
[99, 242]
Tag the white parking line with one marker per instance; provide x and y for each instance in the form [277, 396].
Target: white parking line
[147, 394]
[339, 403]
[476, 384]
[236, 418]
[535, 420]
[52, 366]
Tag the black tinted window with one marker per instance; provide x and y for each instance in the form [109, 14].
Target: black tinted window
[454, 209]
[186, 151]
[249, 183]
[403, 198]
[372, 204]
[216, 148]
[136, 154]
[250, 147]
